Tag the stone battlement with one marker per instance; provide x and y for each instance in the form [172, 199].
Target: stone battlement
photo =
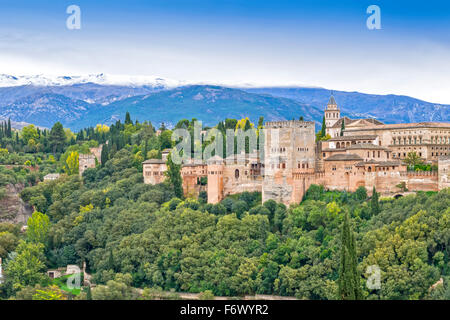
[418, 173]
[289, 124]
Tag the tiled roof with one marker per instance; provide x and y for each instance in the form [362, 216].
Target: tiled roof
[348, 121]
[154, 161]
[379, 163]
[332, 101]
[367, 146]
[357, 146]
[343, 157]
[404, 126]
[351, 138]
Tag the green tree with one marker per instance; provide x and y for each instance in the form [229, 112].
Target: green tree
[206, 295]
[8, 241]
[57, 137]
[117, 289]
[8, 129]
[323, 130]
[342, 127]
[49, 293]
[71, 165]
[38, 227]
[348, 282]
[374, 203]
[27, 268]
[173, 174]
[88, 293]
[413, 159]
[128, 118]
[104, 155]
[29, 133]
[165, 139]
[111, 263]
[361, 193]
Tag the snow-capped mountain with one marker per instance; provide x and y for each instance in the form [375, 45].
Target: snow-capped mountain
[101, 79]
[81, 101]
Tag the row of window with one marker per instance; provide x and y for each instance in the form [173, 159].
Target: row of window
[376, 154]
[332, 115]
[191, 172]
[278, 149]
[154, 173]
[409, 140]
[347, 144]
[418, 140]
[435, 154]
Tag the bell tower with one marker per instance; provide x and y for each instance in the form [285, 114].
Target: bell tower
[332, 113]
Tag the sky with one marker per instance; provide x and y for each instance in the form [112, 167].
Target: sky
[319, 43]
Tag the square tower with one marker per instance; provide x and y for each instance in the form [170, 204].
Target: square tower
[289, 149]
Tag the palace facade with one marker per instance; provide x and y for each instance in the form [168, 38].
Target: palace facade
[367, 153]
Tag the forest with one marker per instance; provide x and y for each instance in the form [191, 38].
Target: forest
[139, 241]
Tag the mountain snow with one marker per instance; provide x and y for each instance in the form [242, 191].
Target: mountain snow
[101, 79]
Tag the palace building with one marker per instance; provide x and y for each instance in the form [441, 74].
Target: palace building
[367, 153]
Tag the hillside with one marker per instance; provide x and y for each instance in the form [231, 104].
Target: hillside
[386, 108]
[80, 104]
[210, 104]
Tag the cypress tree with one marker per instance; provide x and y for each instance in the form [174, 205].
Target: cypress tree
[89, 293]
[104, 155]
[323, 131]
[146, 149]
[260, 122]
[173, 174]
[342, 127]
[348, 282]
[111, 265]
[127, 118]
[374, 203]
[9, 130]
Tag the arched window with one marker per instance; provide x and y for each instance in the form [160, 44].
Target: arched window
[236, 173]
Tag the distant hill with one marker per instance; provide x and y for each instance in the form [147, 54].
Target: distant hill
[386, 108]
[210, 104]
[78, 103]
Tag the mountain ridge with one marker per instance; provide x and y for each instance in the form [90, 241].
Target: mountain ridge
[85, 104]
